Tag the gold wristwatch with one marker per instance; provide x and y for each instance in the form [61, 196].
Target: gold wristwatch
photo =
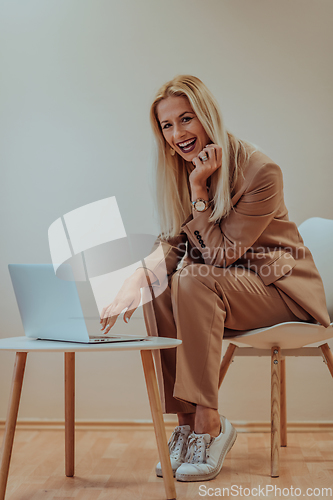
[200, 205]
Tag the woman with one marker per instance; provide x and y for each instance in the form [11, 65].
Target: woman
[221, 207]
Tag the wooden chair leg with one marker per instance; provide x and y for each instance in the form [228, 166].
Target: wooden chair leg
[156, 411]
[327, 353]
[226, 362]
[69, 413]
[14, 402]
[283, 403]
[275, 411]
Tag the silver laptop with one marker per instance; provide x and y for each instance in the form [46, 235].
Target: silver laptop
[50, 307]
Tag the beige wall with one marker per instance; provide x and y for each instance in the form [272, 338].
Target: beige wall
[77, 78]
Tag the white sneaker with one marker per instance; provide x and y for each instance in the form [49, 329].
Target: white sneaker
[205, 454]
[177, 448]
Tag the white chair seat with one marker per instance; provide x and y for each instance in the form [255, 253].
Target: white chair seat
[290, 335]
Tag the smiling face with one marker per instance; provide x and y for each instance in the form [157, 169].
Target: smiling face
[181, 127]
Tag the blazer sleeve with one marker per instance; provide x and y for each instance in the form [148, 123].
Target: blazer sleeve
[222, 244]
[165, 256]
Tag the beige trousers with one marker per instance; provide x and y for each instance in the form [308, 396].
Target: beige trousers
[199, 302]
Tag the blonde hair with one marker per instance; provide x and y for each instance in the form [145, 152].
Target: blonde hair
[172, 173]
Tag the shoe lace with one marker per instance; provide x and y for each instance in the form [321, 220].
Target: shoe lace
[197, 449]
[176, 443]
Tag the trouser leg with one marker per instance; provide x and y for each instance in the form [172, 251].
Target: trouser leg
[199, 315]
[159, 320]
[205, 299]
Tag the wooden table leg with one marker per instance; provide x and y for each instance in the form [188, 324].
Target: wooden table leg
[275, 411]
[14, 402]
[69, 413]
[156, 411]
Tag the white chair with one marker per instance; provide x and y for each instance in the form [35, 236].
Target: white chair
[289, 339]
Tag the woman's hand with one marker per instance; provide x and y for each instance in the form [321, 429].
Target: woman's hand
[204, 169]
[129, 297]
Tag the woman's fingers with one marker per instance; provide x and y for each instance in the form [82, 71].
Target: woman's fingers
[210, 150]
[110, 313]
[219, 156]
[106, 313]
[110, 322]
[103, 322]
[197, 162]
[102, 314]
[135, 304]
[128, 314]
[128, 299]
[216, 152]
[108, 327]
[214, 156]
[113, 311]
[204, 168]
[204, 155]
[210, 155]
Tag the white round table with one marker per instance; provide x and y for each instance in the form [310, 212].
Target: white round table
[23, 345]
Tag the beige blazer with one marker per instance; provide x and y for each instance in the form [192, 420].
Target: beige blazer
[257, 234]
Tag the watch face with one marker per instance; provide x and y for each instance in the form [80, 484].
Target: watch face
[200, 206]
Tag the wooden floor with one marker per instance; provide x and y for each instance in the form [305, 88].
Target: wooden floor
[120, 465]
